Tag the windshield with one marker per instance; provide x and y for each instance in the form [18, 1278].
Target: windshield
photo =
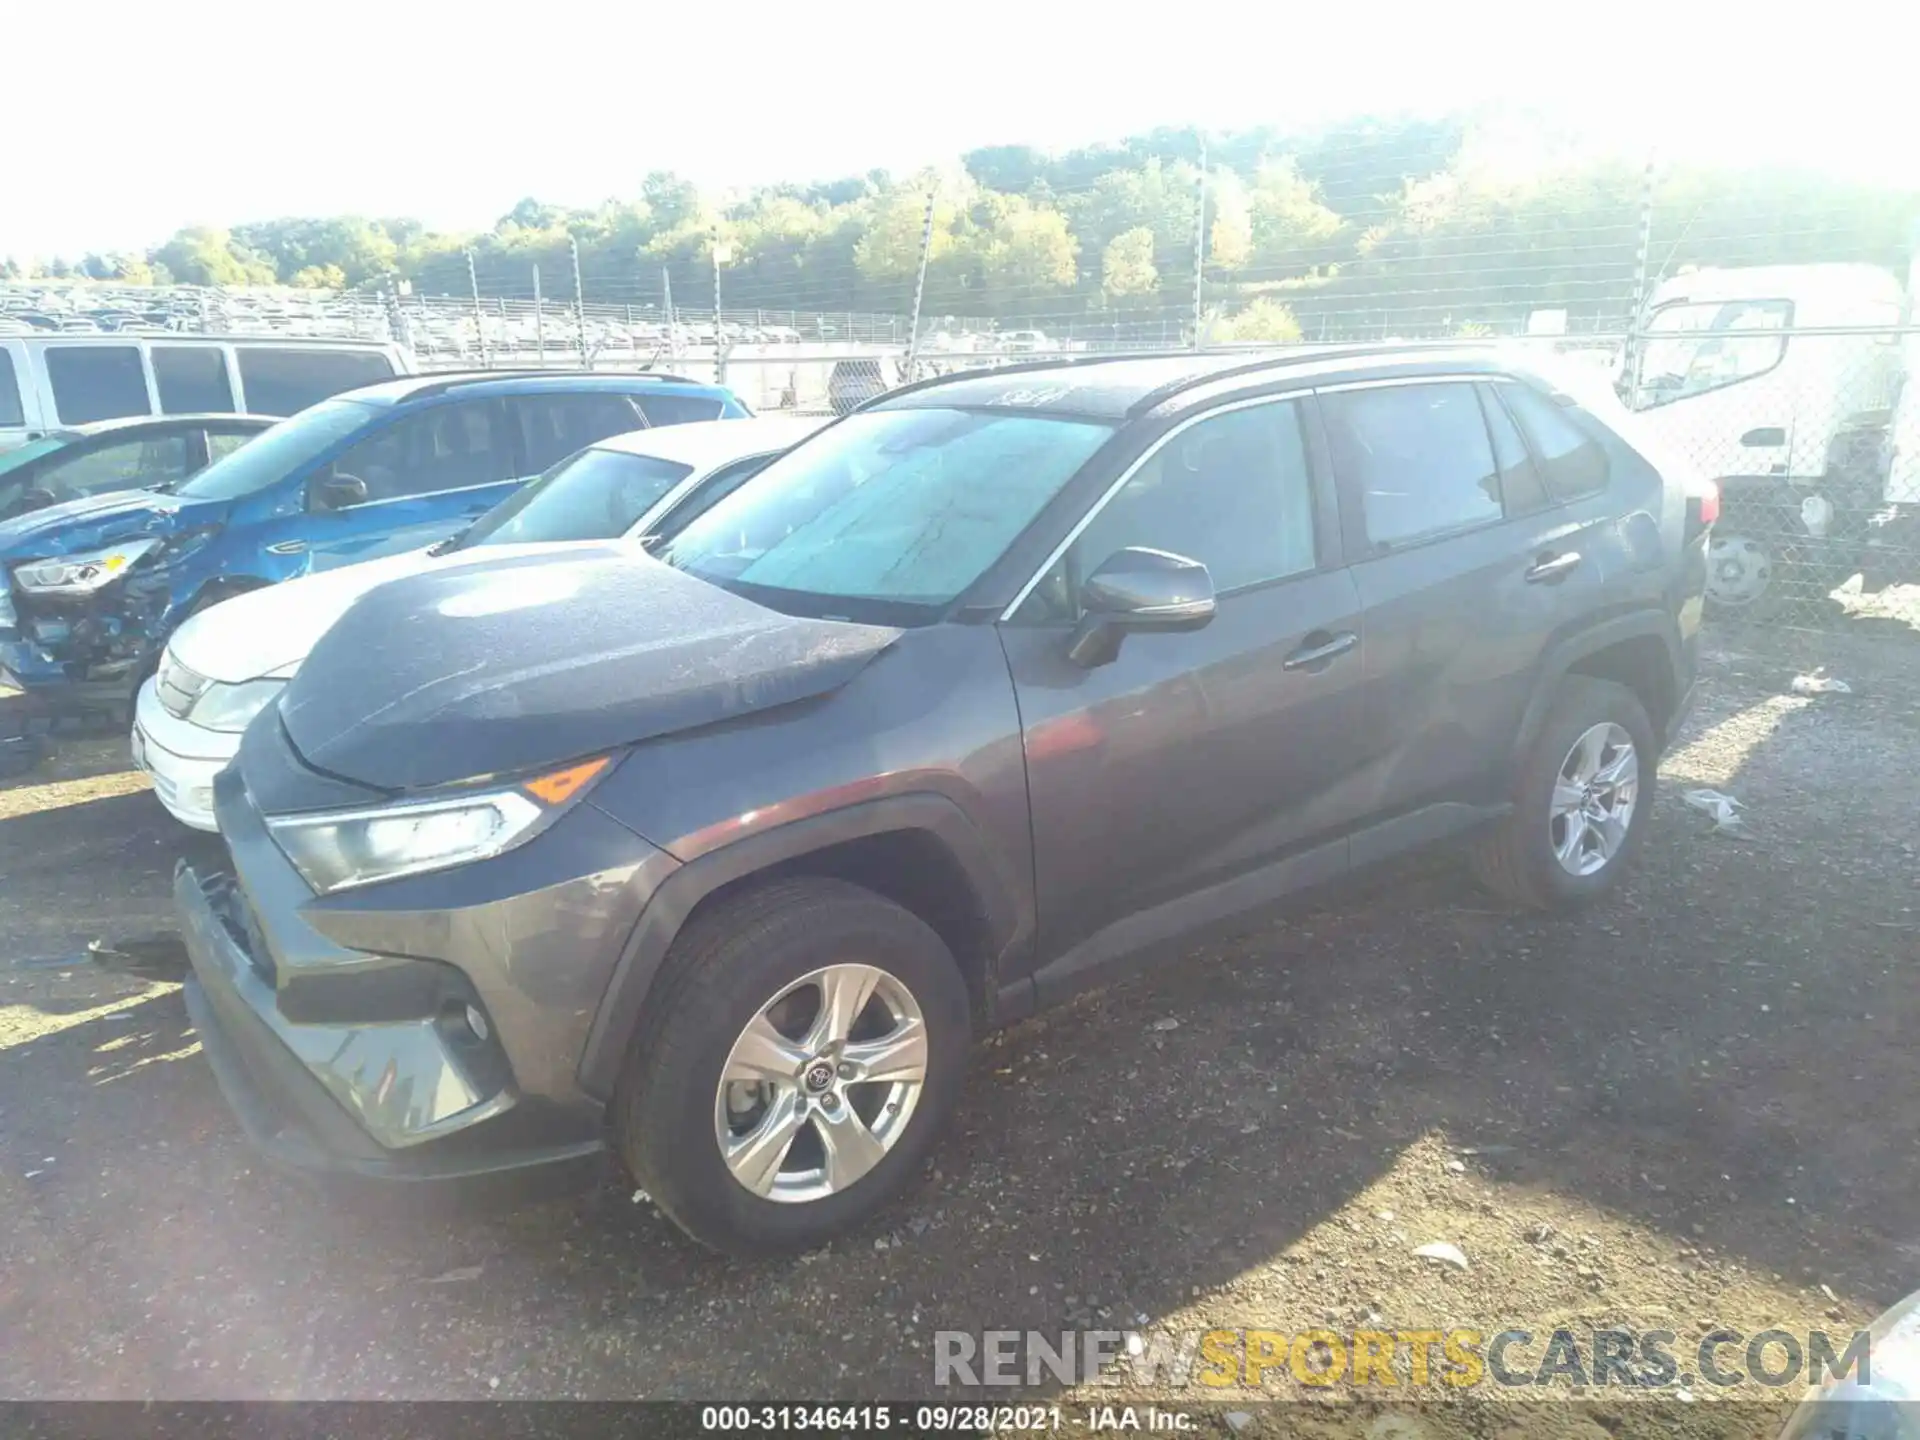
[279, 451]
[895, 511]
[1689, 348]
[590, 495]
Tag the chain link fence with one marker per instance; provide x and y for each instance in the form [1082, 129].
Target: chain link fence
[1763, 328]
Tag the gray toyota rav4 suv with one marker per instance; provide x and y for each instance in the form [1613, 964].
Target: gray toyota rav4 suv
[717, 857]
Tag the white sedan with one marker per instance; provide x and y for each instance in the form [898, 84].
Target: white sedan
[227, 663]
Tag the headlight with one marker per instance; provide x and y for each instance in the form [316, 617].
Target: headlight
[231, 708]
[82, 574]
[339, 849]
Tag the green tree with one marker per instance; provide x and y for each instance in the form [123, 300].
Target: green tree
[1126, 266]
[319, 277]
[1265, 319]
[1289, 228]
[205, 255]
[1028, 253]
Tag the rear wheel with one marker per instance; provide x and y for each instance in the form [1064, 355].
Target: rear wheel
[1580, 797]
[807, 1048]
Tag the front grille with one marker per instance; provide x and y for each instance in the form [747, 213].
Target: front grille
[178, 686]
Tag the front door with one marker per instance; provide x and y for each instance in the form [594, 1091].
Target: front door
[1192, 760]
[426, 475]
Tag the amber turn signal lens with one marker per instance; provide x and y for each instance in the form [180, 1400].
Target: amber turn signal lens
[558, 785]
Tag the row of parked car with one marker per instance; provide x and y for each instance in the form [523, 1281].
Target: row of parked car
[698, 800]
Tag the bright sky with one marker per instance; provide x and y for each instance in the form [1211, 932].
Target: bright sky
[162, 115]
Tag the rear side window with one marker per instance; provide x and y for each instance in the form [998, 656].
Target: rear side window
[1571, 461]
[96, 382]
[222, 443]
[192, 379]
[10, 411]
[1420, 457]
[118, 466]
[1520, 487]
[552, 427]
[284, 382]
[679, 409]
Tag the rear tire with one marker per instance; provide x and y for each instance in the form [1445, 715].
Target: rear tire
[1563, 845]
[739, 974]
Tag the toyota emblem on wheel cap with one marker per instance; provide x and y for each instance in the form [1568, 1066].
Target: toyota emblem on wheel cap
[819, 1076]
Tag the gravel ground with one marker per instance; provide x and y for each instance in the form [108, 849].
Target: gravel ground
[1690, 1106]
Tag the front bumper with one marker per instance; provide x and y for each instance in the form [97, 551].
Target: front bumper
[181, 758]
[337, 1026]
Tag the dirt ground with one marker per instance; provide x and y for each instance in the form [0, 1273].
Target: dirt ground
[1690, 1107]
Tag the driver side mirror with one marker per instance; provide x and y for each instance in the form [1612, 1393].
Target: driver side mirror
[337, 492]
[1138, 589]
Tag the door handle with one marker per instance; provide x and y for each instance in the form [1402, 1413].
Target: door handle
[1552, 567]
[1322, 648]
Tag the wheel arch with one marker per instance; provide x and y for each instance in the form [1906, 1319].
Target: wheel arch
[1639, 651]
[921, 851]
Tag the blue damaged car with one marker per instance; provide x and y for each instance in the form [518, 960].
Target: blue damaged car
[90, 590]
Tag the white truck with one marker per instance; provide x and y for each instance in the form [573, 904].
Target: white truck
[1814, 438]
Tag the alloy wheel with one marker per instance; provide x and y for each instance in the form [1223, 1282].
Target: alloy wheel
[821, 1083]
[1593, 799]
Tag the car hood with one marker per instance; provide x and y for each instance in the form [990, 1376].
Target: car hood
[501, 666]
[97, 520]
[271, 630]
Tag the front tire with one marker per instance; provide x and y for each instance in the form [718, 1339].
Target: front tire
[807, 1046]
[1581, 797]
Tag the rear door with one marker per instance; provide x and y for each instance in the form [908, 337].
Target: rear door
[426, 474]
[1192, 759]
[548, 428]
[1466, 572]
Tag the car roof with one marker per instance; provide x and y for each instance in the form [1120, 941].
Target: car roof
[480, 383]
[706, 443]
[136, 422]
[1098, 387]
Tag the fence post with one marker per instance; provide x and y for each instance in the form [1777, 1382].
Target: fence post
[666, 302]
[539, 322]
[721, 254]
[1630, 356]
[920, 287]
[633, 340]
[479, 324]
[579, 300]
[1199, 242]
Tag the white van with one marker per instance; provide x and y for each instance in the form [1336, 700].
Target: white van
[53, 381]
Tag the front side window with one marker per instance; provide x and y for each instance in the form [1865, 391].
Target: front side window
[1689, 350]
[123, 465]
[890, 515]
[1572, 462]
[1232, 491]
[285, 382]
[592, 495]
[280, 451]
[96, 382]
[11, 410]
[192, 379]
[444, 447]
[552, 427]
[1418, 455]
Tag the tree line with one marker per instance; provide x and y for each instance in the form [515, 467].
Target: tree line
[1395, 223]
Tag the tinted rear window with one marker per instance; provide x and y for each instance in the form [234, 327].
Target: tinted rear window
[10, 411]
[678, 409]
[1571, 461]
[96, 382]
[192, 379]
[283, 382]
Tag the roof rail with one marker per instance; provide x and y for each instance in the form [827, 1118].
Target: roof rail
[438, 382]
[1267, 361]
[1022, 367]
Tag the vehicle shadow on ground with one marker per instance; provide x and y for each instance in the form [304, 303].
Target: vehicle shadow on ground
[1691, 1056]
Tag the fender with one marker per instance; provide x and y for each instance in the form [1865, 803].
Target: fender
[1570, 650]
[666, 911]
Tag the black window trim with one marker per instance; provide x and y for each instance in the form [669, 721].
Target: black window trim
[1327, 547]
[1352, 502]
